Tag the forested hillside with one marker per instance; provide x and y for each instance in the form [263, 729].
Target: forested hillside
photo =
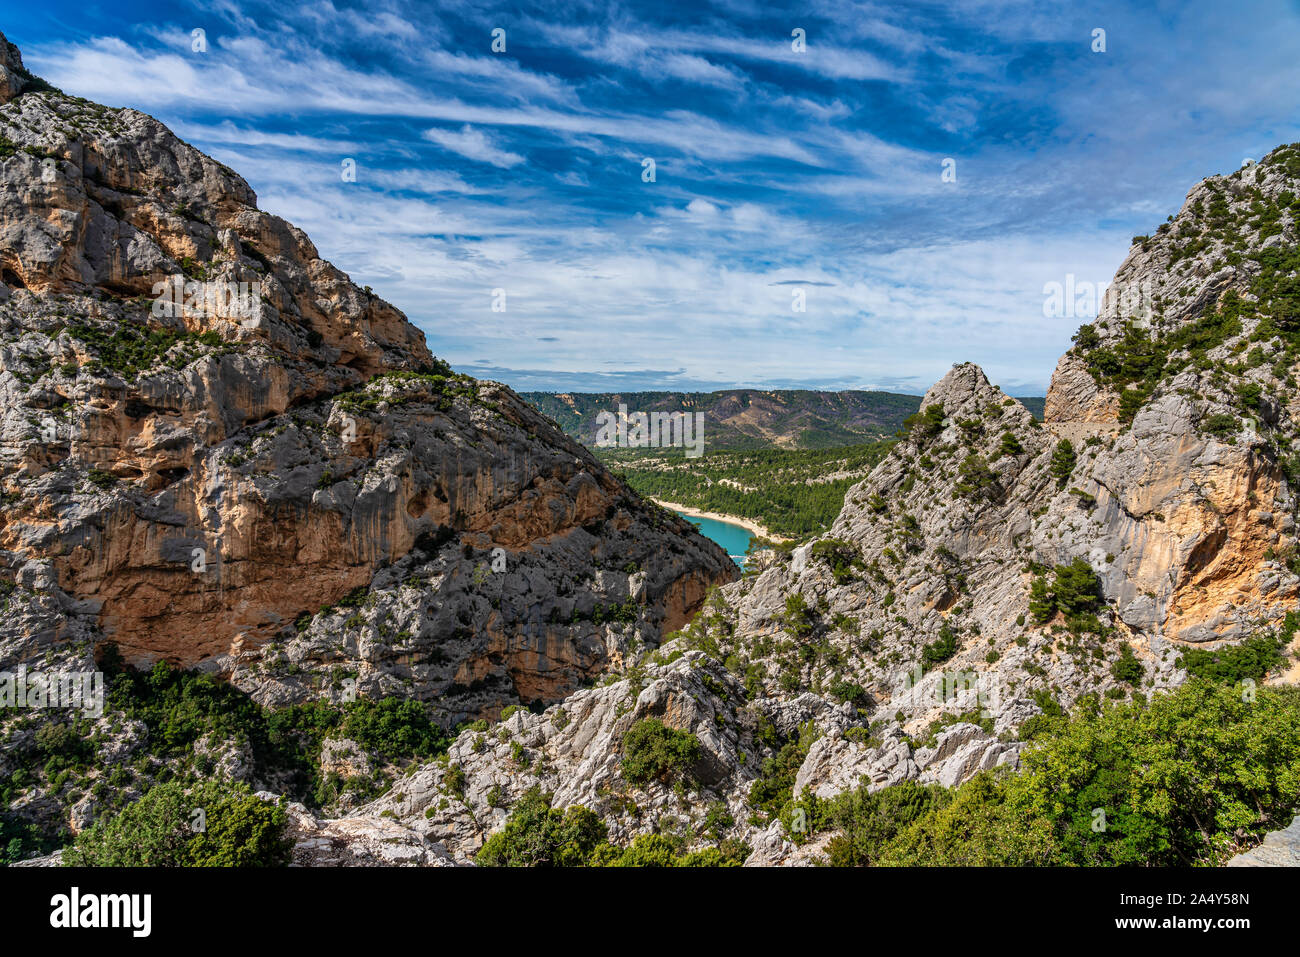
[745, 418]
[793, 492]
[751, 418]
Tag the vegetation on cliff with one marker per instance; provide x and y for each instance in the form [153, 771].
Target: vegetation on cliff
[652, 751]
[212, 824]
[539, 835]
[1189, 777]
[1239, 220]
[192, 724]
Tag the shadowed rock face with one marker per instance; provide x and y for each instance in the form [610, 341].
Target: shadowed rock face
[305, 501]
[196, 484]
[1180, 406]
[902, 644]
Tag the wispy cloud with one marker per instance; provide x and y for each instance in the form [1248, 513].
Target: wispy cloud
[473, 144]
[777, 171]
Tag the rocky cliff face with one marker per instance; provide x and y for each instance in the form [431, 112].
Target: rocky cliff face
[575, 752]
[216, 450]
[1188, 376]
[911, 641]
[1176, 485]
[298, 497]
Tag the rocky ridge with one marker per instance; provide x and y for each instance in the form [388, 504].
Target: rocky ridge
[219, 452]
[911, 641]
[990, 568]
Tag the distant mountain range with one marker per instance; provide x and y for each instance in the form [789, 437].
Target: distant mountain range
[752, 418]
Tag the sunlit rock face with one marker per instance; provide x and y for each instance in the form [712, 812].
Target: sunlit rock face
[208, 434]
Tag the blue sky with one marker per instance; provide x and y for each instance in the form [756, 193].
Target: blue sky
[776, 171]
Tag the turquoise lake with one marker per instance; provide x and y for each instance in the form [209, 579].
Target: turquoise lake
[733, 538]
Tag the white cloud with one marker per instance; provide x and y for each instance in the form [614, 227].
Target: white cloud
[473, 144]
[773, 167]
[701, 209]
[227, 132]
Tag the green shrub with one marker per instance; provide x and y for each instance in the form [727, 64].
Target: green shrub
[162, 829]
[1051, 718]
[1185, 778]
[537, 835]
[455, 779]
[799, 619]
[100, 478]
[1250, 394]
[867, 822]
[1087, 338]
[1253, 658]
[393, 728]
[646, 850]
[729, 853]
[1220, 425]
[1180, 778]
[180, 707]
[842, 690]
[841, 556]
[63, 747]
[975, 479]
[1127, 668]
[718, 820]
[1010, 445]
[774, 788]
[652, 751]
[667, 850]
[941, 649]
[925, 424]
[974, 825]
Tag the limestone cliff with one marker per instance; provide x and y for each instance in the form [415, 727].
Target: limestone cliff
[917, 636]
[215, 449]
[302, 500]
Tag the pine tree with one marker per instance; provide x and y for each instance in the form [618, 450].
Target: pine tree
[1063, 460]
[1010, 445]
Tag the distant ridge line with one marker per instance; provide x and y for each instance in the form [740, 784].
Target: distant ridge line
[752, 419]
